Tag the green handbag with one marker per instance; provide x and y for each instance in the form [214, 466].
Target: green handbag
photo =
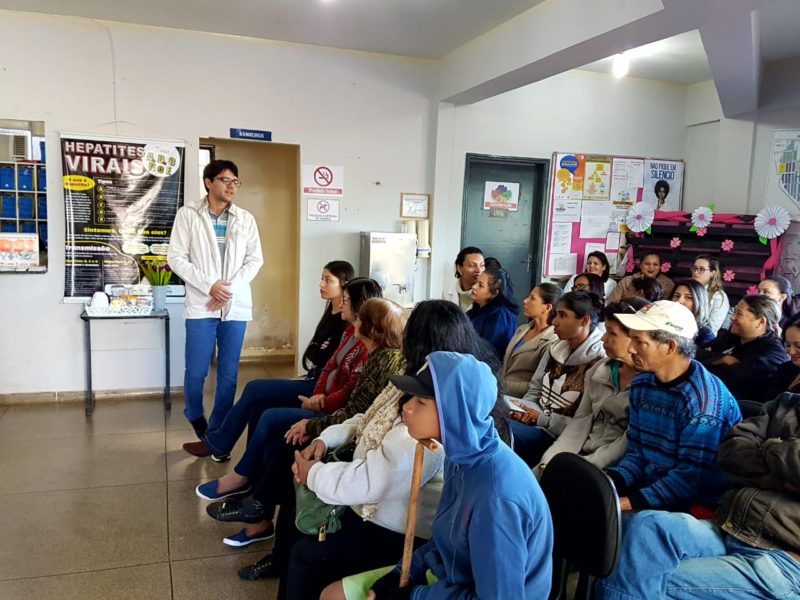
[313, 516]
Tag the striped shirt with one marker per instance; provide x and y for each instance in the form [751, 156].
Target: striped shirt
[220, 224]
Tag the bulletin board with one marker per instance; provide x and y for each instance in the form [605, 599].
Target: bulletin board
[590, 196]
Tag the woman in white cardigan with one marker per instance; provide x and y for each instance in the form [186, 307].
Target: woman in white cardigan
[531, 340]
[705, 270]
[597, 263]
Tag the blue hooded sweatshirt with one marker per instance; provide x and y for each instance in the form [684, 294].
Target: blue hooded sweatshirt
[492, 534]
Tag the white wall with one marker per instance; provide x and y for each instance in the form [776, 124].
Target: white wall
[576, 111]
[371, 114]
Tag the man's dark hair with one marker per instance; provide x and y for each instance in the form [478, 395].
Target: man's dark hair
[215, 167]
[463, 254]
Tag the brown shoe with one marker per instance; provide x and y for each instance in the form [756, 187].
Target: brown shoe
[197, 449]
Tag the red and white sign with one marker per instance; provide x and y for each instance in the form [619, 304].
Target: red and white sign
[322, 209]
[323, 180]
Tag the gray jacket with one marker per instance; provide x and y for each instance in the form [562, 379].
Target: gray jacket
[763, 455]
[520, 363]
[598, 430]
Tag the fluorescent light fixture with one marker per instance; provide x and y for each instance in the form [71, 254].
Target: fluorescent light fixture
[620, 66]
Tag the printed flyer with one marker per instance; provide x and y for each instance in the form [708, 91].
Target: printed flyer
[120, 198]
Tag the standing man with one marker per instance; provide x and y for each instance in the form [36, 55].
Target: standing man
[469, 266]
[216, 250]
[679, 413]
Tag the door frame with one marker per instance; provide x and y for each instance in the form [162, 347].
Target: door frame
[537, 249]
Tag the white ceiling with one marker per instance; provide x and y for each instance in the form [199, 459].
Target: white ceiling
[679, 59]
[417, 28]
[780, 31]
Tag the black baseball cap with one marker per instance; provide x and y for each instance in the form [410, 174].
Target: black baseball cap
[420, 385]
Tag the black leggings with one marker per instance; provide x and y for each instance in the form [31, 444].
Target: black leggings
[359, 546]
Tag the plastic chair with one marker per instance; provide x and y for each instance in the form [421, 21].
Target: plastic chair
[586, 520]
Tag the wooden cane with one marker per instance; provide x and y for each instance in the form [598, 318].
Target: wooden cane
[413, 506]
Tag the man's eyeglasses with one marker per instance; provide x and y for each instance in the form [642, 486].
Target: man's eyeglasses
[699, 269]
[228, 181]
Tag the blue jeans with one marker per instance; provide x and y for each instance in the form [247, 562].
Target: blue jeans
[530, 442]
[201, 335]
[268, 440]
[673, 555]
[258, 396]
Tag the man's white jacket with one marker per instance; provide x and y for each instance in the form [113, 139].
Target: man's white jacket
[194, 256]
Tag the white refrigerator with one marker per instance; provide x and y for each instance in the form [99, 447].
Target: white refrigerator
[391, 260]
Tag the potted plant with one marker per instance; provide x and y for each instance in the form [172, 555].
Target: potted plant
[158, 274]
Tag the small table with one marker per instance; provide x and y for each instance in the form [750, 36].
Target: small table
[87, 331]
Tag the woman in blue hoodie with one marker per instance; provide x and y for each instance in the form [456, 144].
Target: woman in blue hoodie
[494, 312]
[492, 534]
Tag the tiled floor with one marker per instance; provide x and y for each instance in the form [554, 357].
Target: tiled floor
[104, 508]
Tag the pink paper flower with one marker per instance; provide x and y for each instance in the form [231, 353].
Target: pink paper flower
[675, 242]
[728, 275]
[702, 231]
[666, 266]
[629, 267]
[727, 245]
[752, 290]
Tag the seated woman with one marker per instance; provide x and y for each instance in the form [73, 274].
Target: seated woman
[261, 394]
[692, 294]
[492, 534]
[787, 377]
[746, 357]
[649, 267]
[376, 483]
[557, 384]
[779, 289]
[706, 270]
[648, 289]
[600, 425]
[589, 282]
[531, 340]
[494, 312]
[596, 263]
[379, 327]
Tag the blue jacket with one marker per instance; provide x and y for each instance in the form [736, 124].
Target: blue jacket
[674, 432]
[492, 534]
[496, 323]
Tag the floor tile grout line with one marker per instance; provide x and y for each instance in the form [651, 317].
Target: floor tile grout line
[83, 436]
[145, 564]
[96, 487]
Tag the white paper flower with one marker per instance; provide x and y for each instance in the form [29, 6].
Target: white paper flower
[702, 217]
[771, 221]
[640, 217]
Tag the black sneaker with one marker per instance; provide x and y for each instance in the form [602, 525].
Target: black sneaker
[234, 510]
[260, 570]
[220, 457]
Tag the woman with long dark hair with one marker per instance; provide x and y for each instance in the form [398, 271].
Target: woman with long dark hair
[779, 289]
[494, 312]
[261, 394]
[597, 263]
[693, 295]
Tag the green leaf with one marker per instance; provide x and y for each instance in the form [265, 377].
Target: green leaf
[649, 230]
[693, 228]
[762, 239]
[712, 207]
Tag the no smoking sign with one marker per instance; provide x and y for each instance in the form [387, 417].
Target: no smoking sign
[323, 180]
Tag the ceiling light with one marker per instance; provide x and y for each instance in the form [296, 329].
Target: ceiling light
[620, 66]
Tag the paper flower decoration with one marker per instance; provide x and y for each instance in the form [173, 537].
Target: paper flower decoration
[702, 217]
[728, 275]
[752, 290]
[727, 245]
[771, 221]
[702, 231]
[675, 242]
[640, 217]
[666, 266]
[629, 267]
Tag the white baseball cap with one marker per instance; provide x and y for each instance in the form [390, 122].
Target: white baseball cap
[663, 315]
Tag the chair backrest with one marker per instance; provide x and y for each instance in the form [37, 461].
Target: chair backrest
[586, 516]
[749, 408]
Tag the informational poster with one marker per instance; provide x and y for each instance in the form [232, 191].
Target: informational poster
[120, 199]
[594, 220]
[19, 250]
[501, 195]
[569, 171]
[567, 211]
[663, 180]
[561, 238]
[322, 209]
[627, 179]
[323, 180]
[597, 179]
[562, 264]
[783, 179]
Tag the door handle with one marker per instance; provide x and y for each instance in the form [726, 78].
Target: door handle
[527, 262]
